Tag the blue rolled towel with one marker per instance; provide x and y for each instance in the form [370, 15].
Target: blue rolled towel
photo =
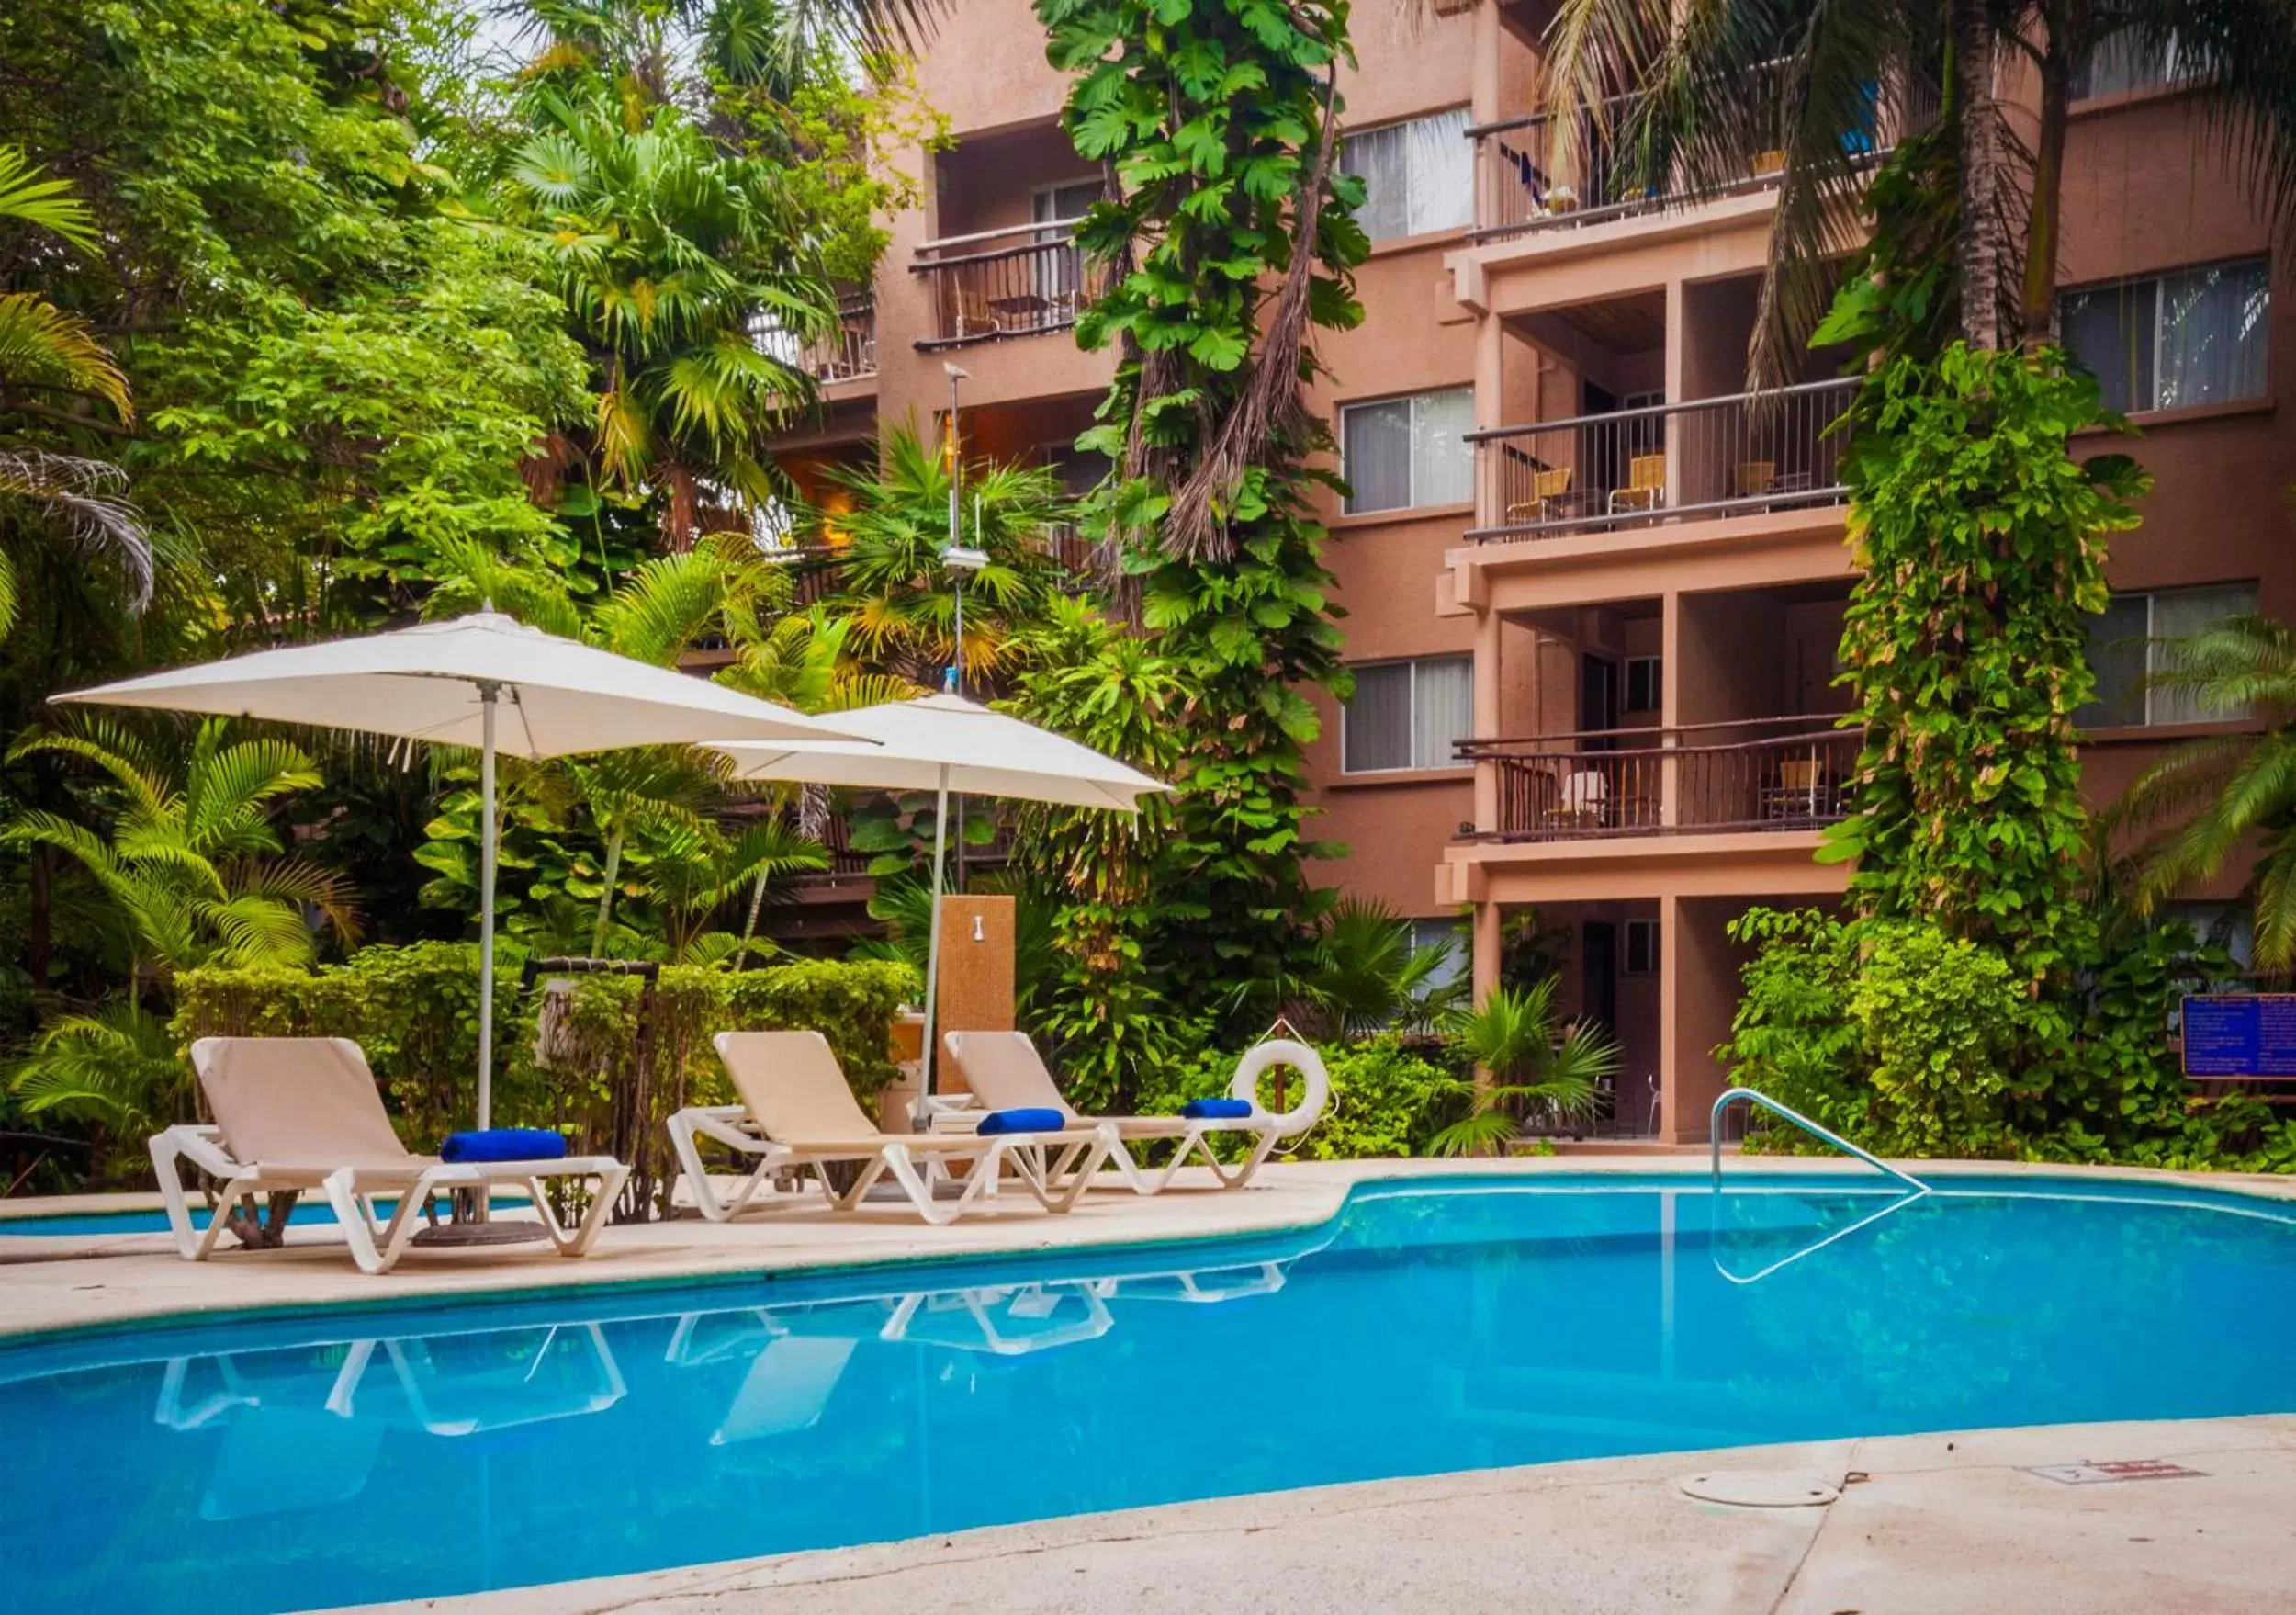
[503, 1144]
[1216, 1110]
[1041, 1120]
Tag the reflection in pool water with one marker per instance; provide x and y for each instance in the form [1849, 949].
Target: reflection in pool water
[389, 1454]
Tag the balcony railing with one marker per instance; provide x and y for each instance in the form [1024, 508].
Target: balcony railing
[1771, 774]
[1534, 178]
[1712, 456]
[848, 353]
[1000, 283]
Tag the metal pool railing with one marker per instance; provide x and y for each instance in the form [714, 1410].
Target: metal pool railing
[1824, 1135]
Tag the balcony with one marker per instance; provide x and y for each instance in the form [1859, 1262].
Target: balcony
[1780, 774]
[848, 352]
[1016, 281]
[1544, 173]
[1711, 458]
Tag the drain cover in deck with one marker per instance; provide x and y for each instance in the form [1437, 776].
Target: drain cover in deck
[1760, 1488]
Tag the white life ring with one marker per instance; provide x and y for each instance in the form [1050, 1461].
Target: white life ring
[1314, 1082]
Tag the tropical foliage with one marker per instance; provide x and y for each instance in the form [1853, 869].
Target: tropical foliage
[1227, 235]
[1539, 1070]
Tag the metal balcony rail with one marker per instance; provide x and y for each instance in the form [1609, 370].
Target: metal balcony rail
[848, 353]
[986, 291]
[1775, 773]
[1712, 456]
[1550, 172]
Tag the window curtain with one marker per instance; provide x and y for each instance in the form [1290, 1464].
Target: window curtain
[2213, 343]
[1377, 455]
[1443, 460]
[1442, 168]
[2116, 655]
[2108, 331]
[1443, 711]
[1376, 732]
[2178, 613]
[1381, 159]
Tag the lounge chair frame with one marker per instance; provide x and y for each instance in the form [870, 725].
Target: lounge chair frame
[376, 1244]
[1054, 1168]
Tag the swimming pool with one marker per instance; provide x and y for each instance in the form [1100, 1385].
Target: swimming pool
[1434, 1325]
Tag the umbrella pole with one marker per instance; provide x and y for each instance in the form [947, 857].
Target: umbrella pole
[488, 694]
[932, 943]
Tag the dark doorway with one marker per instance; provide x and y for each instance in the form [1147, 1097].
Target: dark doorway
[1598, 700]
[1599, 452]
[1598, 977]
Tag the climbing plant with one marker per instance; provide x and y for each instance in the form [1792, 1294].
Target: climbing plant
[1225, 235]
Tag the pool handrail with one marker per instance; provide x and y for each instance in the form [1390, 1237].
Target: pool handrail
[1824, 1134]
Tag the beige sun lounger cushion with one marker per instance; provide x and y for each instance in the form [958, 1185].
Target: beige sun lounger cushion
[305, 1112]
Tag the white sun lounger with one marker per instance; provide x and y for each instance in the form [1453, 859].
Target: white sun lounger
[1005, 1072]
[797, 1111]
[303, 1113]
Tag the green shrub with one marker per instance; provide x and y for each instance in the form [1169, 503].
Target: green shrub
[1387, 1098]
[414, 1010]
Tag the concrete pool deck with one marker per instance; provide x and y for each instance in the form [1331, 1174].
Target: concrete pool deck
[50, 1283]
[1924, 1525]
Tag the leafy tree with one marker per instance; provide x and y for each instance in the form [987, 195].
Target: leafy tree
[1107, 1006]
[1366, 973]
[1225, 236]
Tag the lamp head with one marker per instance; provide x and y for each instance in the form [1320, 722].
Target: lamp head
[955, 372]
[957, 557]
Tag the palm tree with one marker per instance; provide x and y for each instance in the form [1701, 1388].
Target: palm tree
[2222, 796]
[892, 583]
[193, 864]
[1532, 1065]
[687, 274]
[1706, 88]
[46, 351]
[1366, 974]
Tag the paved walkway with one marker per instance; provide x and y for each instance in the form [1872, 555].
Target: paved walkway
[1925, 1525]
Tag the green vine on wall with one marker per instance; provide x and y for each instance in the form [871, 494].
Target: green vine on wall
[1226, 236]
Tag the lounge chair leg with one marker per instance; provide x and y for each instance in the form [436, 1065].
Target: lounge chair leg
[577, 1241]
[895, 1159]
[357, 1232]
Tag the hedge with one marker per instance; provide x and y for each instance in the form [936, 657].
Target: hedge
[415, 1011]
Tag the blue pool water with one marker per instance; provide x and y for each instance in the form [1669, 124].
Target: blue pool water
[394, 1452]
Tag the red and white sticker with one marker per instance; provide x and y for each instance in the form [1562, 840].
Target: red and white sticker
[2114, 1471]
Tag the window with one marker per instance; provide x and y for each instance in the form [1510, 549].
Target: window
[1646, 686]
[1403, 452]
[1418, 177]
[1057, 204]
[1408, 713]
[1448, 935]
[1642, 948]
[2123, 651]
[2164, 342]
[2125, 62]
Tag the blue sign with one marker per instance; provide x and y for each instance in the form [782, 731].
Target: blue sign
[2240, 1034]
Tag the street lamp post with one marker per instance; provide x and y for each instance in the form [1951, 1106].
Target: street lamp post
[960, 561]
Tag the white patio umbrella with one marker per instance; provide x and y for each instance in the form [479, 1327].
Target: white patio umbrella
[944, 743]
[443, 682]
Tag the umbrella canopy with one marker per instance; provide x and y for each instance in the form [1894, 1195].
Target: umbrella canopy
[445, 683]
[939, 742]
[559, 697]
[945, 743]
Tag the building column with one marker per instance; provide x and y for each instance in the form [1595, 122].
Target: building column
[1677, 330]
[1698, 987]
[1484, 106]
[1486, 948]
[1488, 717]
[1670, 677]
